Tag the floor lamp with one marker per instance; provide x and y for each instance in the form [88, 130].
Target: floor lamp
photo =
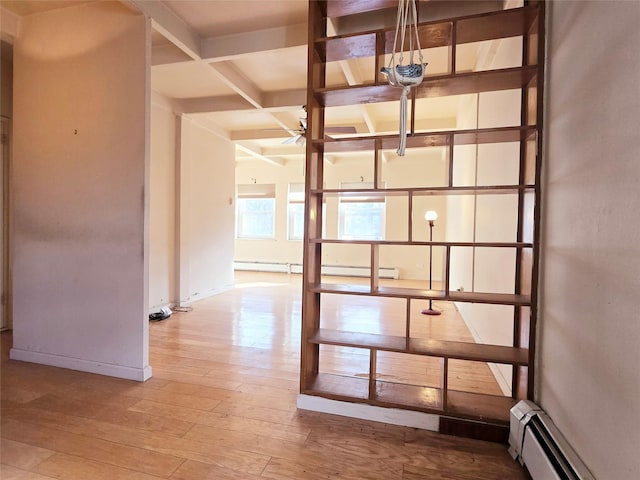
[431, 216]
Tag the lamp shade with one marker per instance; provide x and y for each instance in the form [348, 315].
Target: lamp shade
[431, 215]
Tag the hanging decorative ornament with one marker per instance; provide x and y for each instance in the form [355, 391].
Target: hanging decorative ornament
[405, 76]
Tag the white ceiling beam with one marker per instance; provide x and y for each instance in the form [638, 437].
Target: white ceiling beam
[225, 47]
[168, 54]
[284, 99]
[290, 150]
[171, 26]
[254, 152]
[286, 121]
[224, 103]
[257, 134]
[240, 84]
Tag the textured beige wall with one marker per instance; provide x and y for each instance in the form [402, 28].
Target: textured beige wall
[80, 190]
[162, 205]
[589, 340]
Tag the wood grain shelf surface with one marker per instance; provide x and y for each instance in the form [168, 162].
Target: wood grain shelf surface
[424, 243]
[429, 139]
[476, 406]
[424, 294]
[436, 86]
[404, 395]
[427, 191]
[475, 28]
[479, 406]
[423, 346]
[349, 7]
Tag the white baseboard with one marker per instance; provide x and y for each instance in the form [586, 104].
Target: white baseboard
[111, 370]
[393, 416]
[200, 296]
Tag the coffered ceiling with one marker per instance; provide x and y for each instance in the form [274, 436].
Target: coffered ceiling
[239, 66]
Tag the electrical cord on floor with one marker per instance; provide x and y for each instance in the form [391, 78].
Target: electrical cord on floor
[182, 309]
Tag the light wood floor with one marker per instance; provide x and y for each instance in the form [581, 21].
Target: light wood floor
[220, 405]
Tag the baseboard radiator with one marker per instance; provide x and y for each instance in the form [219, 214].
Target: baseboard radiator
[337, 270]
[538, 445]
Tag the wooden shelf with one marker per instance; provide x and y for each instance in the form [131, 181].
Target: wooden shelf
[475, 28]
[422, 346]
[474, 406]
[427, 191]
[423, 294]
[425, 244]
[374, 44]
[340, 9]
[479, 406]
[415, 397]
[429, 139]
[338, 387]
[436, 86]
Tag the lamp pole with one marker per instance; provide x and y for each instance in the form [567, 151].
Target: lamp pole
[431, 216]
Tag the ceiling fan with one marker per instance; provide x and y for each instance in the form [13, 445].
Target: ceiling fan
[300, 133]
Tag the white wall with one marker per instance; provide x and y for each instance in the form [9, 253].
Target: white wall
[279, 250]
[162, 205]
[589, 323]
[206, 214]
[411, 261]
[80, 190]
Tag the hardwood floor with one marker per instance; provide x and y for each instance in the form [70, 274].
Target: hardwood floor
[221, 405]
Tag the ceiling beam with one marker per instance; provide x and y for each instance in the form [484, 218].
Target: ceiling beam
[171, 26]
[221, 103]
[225, 47]
[255, 152]
[240, 84]
[284, 99]
[167, 54]
[257, 134]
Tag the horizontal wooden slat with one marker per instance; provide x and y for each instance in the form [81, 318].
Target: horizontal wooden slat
[424, 244]
[488, 26]
[475, 406]
[349, 7]
[338, 387]
[479, 406]
[422, 346]
[430, 139]
[428, 191]
[403, 395]
[476, 28]
[421, 294]
[439, 86]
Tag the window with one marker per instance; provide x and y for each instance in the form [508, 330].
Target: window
[295, 219]
[361, 217]
[255, 211]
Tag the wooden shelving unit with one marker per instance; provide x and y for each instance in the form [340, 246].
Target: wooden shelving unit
[527, 23]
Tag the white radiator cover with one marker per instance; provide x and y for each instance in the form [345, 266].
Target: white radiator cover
[537, 444]
[337, 270]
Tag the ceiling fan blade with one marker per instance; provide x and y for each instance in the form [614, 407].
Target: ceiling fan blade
[291, 140]
[340, 130]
